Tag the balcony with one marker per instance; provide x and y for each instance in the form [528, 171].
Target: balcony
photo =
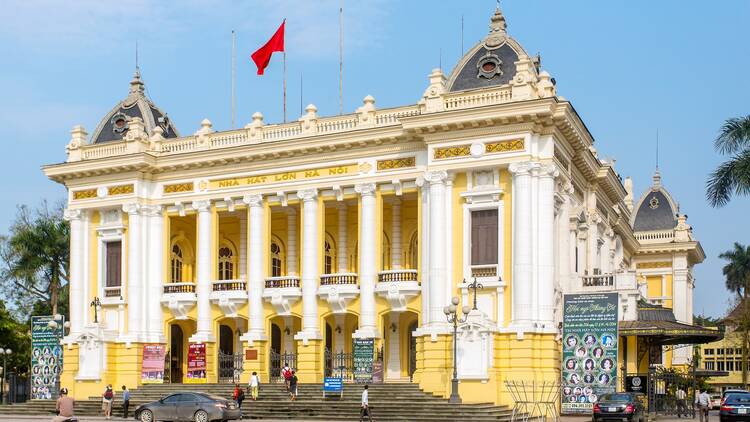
[282, 292]
[229, 295]
[484, 271]
[338, 289]
[599, 280]
[113, 292]
[397, 287]
[179, 298]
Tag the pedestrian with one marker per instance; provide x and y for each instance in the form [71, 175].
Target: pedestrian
[365, 407]
[238, 395]
[125, 401]
[703, 401]
[64, 406]
[254, 385]
[293, 386]
[286, 372]
[108, 397]
[681, 405]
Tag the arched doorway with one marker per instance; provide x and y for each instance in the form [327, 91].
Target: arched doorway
[230, 362]
[328, 351]
[176, 344]
[275, 339]
[226, 340]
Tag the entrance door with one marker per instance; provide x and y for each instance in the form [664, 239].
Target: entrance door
[230, 363]
[412, 349]
[329, 349]
[175, 354]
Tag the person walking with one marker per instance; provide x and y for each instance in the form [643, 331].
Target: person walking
[238, 395]
[64, 406]
[286, 372]
[293, 386]
[365, 406]
[704, 402]
[681, 405]
[125, 401]
[254, 385]
[108, 397]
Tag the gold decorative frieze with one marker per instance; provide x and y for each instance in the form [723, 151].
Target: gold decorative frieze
[451, 152]
[121, 189]
[504, 146]
[397, 163]
[84, 194]
[651, 265]
[288, 176]
[178, 187]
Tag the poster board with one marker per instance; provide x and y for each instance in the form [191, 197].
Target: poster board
[196, 370]
[364, 356]
[46, 357]
[589, 358]
[152, 366]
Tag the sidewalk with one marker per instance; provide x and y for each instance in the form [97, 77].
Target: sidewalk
[43, 418]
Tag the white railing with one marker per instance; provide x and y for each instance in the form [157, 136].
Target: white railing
[484, 271]
[339, 278]
[115, 291]
[91, 152]
[179, 145]
[282, 282]
[277, 132]
[659, 236]
[170, 288]
[340, 124]
[393, 116]
[228, 139]
[397, 276]
[601, 280]
[478, 98]
[228, 285]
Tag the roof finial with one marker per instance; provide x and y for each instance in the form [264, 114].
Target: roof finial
[136, 84]
[497, 28]
[657, 175]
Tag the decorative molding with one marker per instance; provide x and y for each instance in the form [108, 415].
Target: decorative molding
[522, 168]
[505, 146]
[307, 194]
[253, 199]
[650, 265]
[436, 177]
[178, 188]
[72, 214]
[397, 163]
[133, 208]
[84, 194]
[365, 189]
[451, 152]
[151, 210]
[202, 206]
[121, 189]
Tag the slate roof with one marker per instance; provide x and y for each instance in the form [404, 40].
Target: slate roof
[655, 213]
[660, 324]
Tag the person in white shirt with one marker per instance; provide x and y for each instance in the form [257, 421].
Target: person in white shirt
[703, 401]
[254, 385]
[681, 406]
[365, 409]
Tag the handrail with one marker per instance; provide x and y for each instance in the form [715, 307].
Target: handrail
[179, 288]
[228, 285]
[400, 275]
[282, 282]
[338, 278]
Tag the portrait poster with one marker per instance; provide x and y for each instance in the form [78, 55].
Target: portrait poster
[364, 354]
[196, 370]
[152, 368]
[589, 358]
[46, 357]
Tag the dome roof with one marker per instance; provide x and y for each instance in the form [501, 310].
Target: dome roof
[492, 62]
[656, 210]
[114, 125]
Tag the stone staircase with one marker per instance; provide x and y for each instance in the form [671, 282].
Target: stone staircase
[389, 402]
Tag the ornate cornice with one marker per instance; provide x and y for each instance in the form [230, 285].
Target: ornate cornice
[121, 189]
[396, 163]
[178, 187]
[84, 194]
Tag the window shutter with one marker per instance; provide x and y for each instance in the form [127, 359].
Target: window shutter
[114, 264]
[484, 237]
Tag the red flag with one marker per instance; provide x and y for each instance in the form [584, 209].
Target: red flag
[263, 55]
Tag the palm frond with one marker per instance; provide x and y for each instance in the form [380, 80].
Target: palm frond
[734, 135]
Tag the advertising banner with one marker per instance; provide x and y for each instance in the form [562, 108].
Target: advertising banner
[589, 359]
[152, 368]
[46, 357]
[196, 370]
[364, 354]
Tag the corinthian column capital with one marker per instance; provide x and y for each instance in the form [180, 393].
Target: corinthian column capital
[151, 210]
[436, 177]
[365, 189]
[202, 206]
[522, 168]
[548, 170]
[253, 199]
[307, 194]
[131, 209]
[72, 214]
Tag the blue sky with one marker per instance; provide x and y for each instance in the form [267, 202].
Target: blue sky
[629, 67]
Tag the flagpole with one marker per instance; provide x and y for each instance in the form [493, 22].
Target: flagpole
[284, 86]
[234, 86]
[301, 91]
[341, 57]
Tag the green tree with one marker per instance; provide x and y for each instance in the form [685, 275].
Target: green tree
[35, 259]
[732, 177]
[15, 336]
[737, 278]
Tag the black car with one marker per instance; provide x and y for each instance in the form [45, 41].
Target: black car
[198, 407]
[736, 407]
[619, 406]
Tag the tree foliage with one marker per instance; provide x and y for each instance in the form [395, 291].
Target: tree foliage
[737, 280]
[35, 260]
[732, 177]
[16, 336]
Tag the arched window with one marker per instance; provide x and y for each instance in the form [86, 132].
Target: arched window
[328, 262]
[176, 264]
[275, 260]
[226, 263]
[414, 251]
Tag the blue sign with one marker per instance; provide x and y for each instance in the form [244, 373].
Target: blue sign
[333, 385]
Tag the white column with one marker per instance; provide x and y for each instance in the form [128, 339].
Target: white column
[424, 247]
[291, 241]
[135, 281]
[546, 201]
[592, 257]
[310, 265]
[367, 260]
[449, 238]
[155, 277]
[338, 341]
[243, 245]
[438, 276]
[522, 244]
[394, 356]
[341, 265]
[255, 280]
[564, 241]
[396, 234]
[78, 300]
[203, 286]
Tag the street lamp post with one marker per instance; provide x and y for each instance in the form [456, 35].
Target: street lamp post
[5, 353]
[96, 303]
[454, 318]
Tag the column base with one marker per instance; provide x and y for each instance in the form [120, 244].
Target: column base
[309, 363]
[202, 338]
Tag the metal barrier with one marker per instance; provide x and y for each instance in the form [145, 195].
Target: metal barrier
[277, 362]
[230, 367]
[533, 399]
[340, 365]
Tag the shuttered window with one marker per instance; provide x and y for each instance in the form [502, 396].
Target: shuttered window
[114, 264]
[484, 237]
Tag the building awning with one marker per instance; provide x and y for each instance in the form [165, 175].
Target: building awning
[706, 373]
[670, 332]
